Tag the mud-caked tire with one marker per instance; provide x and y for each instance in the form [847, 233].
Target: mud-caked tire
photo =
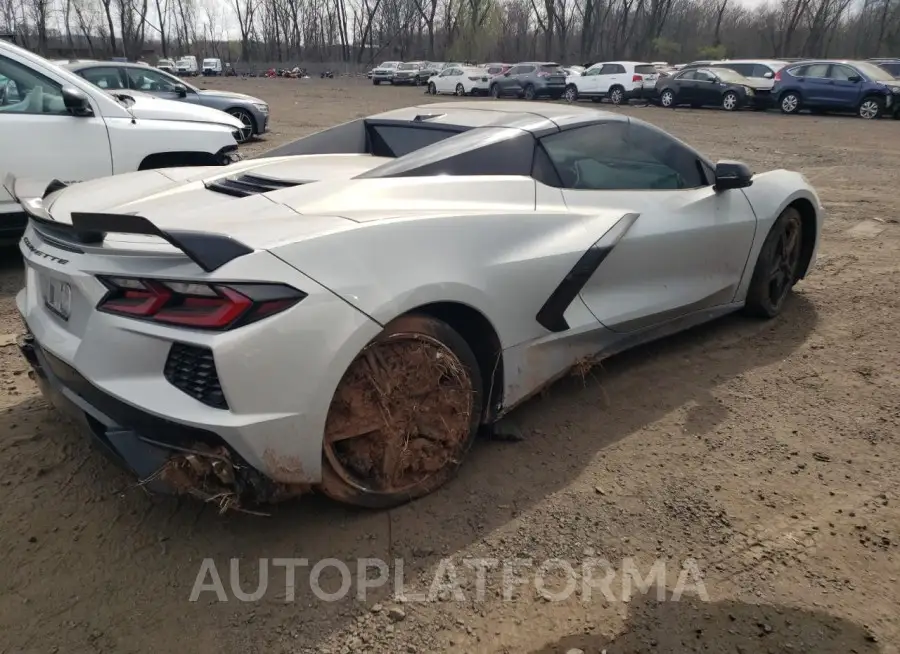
[777, 267]
[403, 417]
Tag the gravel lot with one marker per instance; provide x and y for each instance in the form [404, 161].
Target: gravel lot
[766, 452]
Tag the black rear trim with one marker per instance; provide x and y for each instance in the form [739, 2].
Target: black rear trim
[551, 314]
[243, 186]
[209, 251]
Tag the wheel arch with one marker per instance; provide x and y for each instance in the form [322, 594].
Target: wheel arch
[478, 331]
[249, 113]
[809, 228]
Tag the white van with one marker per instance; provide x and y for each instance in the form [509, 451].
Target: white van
[167, 65]
[55, 125]
[212, 67]
[187, 66]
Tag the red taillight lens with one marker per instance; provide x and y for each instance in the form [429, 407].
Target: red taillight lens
[197, 305]
[637, 78]
[777, 77]
[543, 74]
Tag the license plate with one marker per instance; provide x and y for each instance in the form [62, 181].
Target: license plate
[58, 298]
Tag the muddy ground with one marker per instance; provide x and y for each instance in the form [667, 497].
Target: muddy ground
[766, 452]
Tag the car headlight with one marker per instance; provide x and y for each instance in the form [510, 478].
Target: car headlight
[264, 108]
[895, 89]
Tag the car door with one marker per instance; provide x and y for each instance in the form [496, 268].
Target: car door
[707, 88]
[685, 86]
[443, 80]
[614, 75]
[815, 85]
[605, 78]
[39, 138]
[687, 248]
[521, 78]
[588, 83]
[845, 92]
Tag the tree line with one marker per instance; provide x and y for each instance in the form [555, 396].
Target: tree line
[366, 31]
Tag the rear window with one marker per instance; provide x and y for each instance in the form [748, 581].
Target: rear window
[645, 69]
[399, 140]
[893, 69]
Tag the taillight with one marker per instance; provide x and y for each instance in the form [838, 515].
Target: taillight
[777, 77]
[195, 304]
[543, 73]
[637, 78]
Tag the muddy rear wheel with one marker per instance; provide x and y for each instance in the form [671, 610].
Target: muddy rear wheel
[403, 417]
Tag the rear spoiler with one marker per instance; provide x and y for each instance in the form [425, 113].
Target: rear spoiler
[209, 251]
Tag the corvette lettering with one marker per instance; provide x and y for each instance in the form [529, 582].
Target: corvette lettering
[39, 253]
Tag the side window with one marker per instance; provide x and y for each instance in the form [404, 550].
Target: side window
[618, 69]
[703, 76]
[606, 69]
[741, 69]
[108, 78]
[616, 156]
[799, 71]
[817, 70]
[526, 70]
[690, 75]
[25, 91]
[841, 73]
[148, 80]
[592, 72]
[760, 70]
[514, 70]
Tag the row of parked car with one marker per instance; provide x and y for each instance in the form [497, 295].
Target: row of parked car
[79, 120]
[869, 88]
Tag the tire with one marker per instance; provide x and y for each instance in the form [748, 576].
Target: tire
[376, 82]
[790, 102]
[460, 90]
[871, 108]
[434, 430]
[529, 92]
[248, 130]
[778, 264]
[432, 89]
[495, 91]
[418, 82]
[667, 99]
[616, 95]
[571, 93]
[730, 101]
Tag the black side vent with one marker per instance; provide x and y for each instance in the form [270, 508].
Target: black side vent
[244, 185]
[191, 369]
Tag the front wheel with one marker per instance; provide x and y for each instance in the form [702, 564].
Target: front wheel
[460, 90]
[432, 89]
[376, 82]
[247, 127]
[530, 93]
[495, 91]
[777, 267]
[871, 108]
[616, 95]
[571, 93]
[403, 417]
[790, 103]
[730, 101]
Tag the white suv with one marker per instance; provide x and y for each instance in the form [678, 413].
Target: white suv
[620, 81]
[56, 125]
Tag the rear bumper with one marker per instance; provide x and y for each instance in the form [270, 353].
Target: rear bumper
[641, 93]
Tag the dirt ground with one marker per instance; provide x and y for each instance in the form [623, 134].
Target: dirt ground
[765, 452]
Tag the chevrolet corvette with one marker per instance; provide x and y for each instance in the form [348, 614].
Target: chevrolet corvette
[345, 313]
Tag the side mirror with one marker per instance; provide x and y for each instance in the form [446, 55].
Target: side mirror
[181, 90]
[854, 78]
[76, 101]
[732, 174]
[769, 75]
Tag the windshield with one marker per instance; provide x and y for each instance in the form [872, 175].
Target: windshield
[408, 67]
[390, 64]
[165, 62]
[210, 62]
[873, 72]
[728, 75]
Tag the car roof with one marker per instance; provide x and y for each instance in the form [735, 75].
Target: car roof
[767, 62]
[81, 65]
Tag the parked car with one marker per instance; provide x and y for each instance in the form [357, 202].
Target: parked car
[759, 71]
[408, 73]
[428, 70]
[574, 70]
[163, 64]
[240, 362]
[496, 68]
[186, 66]
[620, 81]
[460, 81]
[385, 72]
[253, 113]
[844, 86]
[530, 80]
[707, 87]
[55, 125]
[212, 67]
[890, 65]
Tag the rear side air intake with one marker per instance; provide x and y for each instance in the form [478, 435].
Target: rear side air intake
[243, 186]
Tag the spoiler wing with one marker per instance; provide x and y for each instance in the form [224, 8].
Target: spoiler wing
[22, 190]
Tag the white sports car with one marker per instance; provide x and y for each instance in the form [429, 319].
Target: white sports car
[345, 312]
